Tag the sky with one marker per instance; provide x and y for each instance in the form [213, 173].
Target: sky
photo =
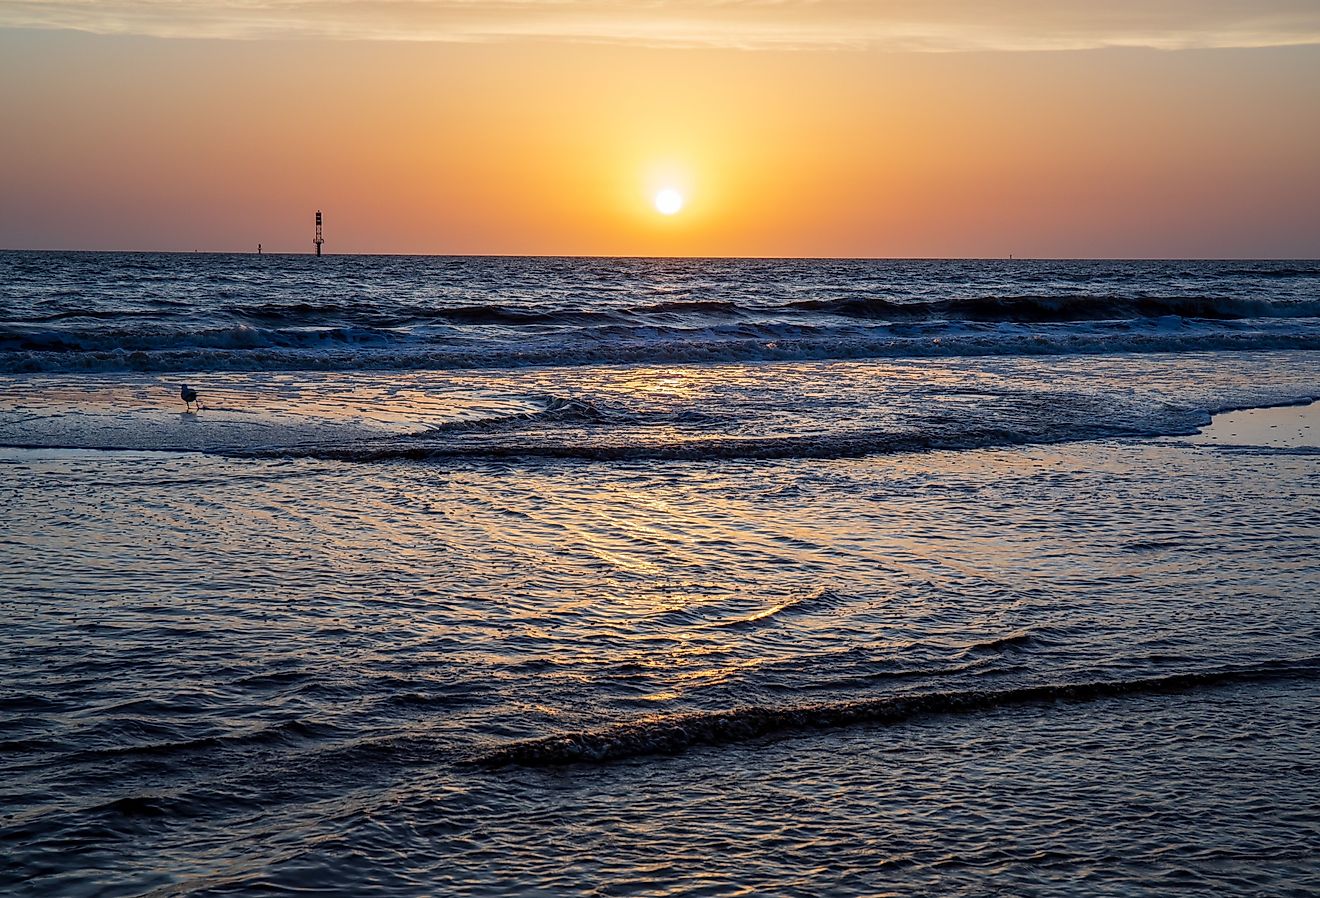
[876, 128]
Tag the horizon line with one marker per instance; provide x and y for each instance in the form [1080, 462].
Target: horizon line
[695, 258]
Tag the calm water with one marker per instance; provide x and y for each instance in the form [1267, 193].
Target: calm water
[627, 577]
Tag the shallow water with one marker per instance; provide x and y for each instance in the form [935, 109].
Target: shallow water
[238, 674]
[966, 626]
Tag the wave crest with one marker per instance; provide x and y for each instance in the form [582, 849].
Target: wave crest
[672, 734]
[1063, 308]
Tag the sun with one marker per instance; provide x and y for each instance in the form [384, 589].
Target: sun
[668, 201]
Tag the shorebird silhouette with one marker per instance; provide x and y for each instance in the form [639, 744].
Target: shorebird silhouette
[188, 395]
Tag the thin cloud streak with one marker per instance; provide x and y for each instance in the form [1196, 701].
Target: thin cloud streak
[900, 25]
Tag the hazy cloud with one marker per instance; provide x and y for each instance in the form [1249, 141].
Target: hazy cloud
[922, 25]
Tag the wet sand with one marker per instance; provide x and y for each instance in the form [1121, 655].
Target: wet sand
[1283, 427]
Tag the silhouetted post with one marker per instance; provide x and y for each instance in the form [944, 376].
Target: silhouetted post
[319, 239]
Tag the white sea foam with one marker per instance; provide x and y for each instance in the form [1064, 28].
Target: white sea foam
[716, 411]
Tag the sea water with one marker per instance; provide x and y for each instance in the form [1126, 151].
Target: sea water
[654, 577]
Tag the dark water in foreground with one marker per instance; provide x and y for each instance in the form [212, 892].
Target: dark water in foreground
[945, 601]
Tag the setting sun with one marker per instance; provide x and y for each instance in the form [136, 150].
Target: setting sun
[668, 201]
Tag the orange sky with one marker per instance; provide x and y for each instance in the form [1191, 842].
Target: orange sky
[556, 146]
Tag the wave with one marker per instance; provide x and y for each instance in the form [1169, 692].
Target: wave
[271, 734]
[675, 733]
[796, 602]
[141, 806]
[1063, 308]
[375, 349]
[549, 410]
[857, 444]
[509, 315]
[1004, 643]
[1285, 272]
[73, 314]
[18, 340]
[689, 306]
[304, 316]
[290, 311]
[561, 410]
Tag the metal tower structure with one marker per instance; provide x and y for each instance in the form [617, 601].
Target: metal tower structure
[319, 239]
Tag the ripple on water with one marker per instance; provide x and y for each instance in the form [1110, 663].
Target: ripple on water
[243, 675]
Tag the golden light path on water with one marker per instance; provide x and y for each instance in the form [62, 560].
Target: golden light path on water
[371, 585]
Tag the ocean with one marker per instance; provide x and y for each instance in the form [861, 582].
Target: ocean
[509, 576]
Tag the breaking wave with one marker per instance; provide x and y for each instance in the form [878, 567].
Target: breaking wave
[73, 313]
[374, 349]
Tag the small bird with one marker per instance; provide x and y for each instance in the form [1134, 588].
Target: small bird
[188, 395]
